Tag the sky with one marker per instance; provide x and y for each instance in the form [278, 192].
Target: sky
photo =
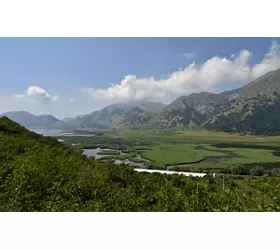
[67, 77]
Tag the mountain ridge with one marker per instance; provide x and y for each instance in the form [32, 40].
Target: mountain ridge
[30, 120]
[252, 108]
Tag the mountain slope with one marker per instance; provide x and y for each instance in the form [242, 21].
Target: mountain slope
[119, 115]
[29, 120]
[188, 111]
[253, 108]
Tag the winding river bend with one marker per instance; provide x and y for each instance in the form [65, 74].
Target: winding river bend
[139, 167]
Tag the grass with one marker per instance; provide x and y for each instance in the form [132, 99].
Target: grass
[109, 152]
[121, 157]
[177, 153]
[250, 156]
[173, 147]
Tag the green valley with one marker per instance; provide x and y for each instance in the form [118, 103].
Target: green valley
[41, 174]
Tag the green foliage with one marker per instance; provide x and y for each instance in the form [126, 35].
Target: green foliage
[109, 152]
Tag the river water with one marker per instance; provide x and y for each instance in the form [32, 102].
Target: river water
[140, 166]
[170, 172]
[94, 152]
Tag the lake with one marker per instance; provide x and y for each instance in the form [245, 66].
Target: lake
[50, 132]
[96, 153]
[93, 152]
[56, 132]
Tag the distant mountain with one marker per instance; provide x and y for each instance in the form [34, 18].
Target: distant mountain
[119, 116]
[67, 119]
[188, 111]
[254, 108]
[29, 120]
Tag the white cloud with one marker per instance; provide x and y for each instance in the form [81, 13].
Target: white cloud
[35, 93]
[189, 55]
[207, 76]
[271, 61]
[71, 100]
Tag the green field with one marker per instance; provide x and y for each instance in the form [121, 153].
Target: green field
[162, 148]
[250, 156]
[169, 153]
[109, 152]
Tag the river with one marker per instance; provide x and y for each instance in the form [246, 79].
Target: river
[140, 166]
[170, 172]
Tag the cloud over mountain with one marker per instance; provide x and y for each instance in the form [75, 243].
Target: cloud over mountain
[206, 76]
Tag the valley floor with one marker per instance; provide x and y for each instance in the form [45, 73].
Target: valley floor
[191, 151]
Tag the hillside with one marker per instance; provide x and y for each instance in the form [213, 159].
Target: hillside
[29, 120]
[119, 116]
[252, 109]
[188, 111]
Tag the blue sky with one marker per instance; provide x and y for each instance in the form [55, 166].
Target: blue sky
[71, 76]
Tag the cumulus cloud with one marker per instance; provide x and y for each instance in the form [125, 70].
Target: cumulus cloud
[207, 76]
[271, 61]
[35, 93]
[71, 100]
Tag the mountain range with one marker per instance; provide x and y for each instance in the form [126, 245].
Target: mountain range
[254, 108]
[29, 120]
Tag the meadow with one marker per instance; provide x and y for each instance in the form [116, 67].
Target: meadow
[170, 153]
[200, 148]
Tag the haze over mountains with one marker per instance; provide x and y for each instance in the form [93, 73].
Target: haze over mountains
[254, 108]
[29, 120]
